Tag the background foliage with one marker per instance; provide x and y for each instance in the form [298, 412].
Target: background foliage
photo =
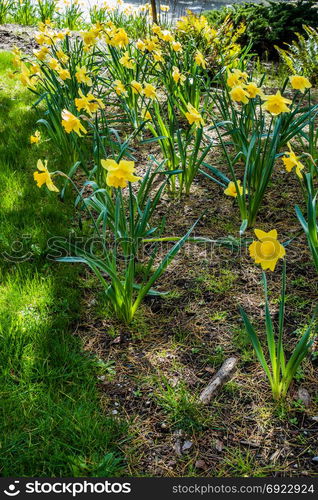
[270, 24]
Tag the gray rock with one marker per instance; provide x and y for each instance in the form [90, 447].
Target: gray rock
[219, 445]
[200, 464]
[186, 446]
[304, 396]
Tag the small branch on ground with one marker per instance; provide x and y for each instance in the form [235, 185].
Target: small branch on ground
[220, 378]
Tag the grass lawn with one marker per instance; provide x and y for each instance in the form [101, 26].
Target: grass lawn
[51, 419]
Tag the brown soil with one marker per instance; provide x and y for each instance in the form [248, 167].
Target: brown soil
[13, 35]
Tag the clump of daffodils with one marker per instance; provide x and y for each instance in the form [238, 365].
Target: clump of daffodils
[243, 90]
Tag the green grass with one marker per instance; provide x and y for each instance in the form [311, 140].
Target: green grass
[218, 284]
[51, 420]
[242, 463]
[182, 408]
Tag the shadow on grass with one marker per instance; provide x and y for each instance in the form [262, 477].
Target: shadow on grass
[51, 419]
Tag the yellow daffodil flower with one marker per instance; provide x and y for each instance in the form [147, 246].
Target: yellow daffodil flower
[44, 176]
[238, 94]
[146, 115]
[54, 64]
[253, 90]
[231, 189]
[71, 123]
[60, 35]
[193, 116]
[290, 161]
[45, 25]
[176, 46]
[236, 77]
[267, 251]
[157, 55]
[136, 87]
[16, 61]
[141, 45]
[25, 78]
[97, 29]
[300, 83]
[62, 56]
[89, 103]
[41, 54]
[126, 61]
[151, 44]
[166, 36]
[17, 57]
[89, 38]
[156, 29]
[119, 174]
[119, 88]
[82, 77]
[276, 104]
[64, 74]
[149, 91]
[177, 76]
[35, 69]
[41, 38]
[120, 38]
[164, 8]
[35, 139]
[199, 59]
[145, 7]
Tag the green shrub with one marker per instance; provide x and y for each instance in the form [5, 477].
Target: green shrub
[301, 55]
[269, 24]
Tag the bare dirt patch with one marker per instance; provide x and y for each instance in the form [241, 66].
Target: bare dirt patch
[14, 35]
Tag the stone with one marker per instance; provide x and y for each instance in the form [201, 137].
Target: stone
[200, 464]
[304, 396]
[186, 446]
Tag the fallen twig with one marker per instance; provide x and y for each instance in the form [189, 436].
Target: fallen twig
[220, 378]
